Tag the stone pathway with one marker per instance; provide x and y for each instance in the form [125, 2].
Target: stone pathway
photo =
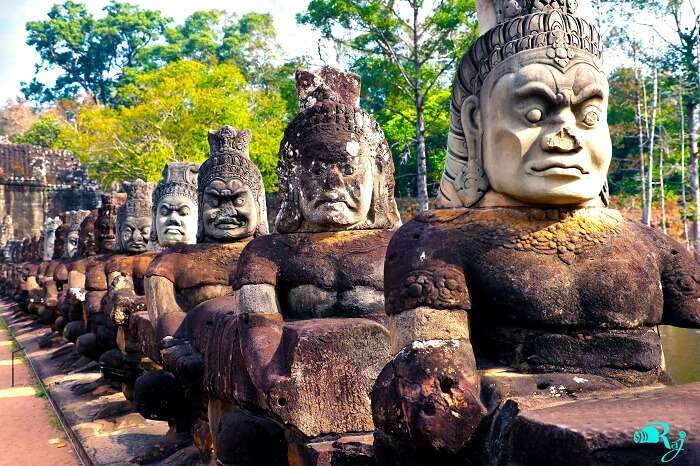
[30, 432]
[107, 429]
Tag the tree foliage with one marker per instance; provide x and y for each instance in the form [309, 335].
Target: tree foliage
[406, 51]
[165, 116]
[91, 54]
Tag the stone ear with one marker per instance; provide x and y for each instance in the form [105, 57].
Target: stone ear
[470, 115]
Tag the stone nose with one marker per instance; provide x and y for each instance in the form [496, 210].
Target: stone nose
[563, 141]
[334, 177]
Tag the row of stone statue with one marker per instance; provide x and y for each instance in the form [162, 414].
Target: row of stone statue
[343, 339]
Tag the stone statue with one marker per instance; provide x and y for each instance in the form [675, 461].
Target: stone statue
[87, 280]
[231, 211]
[175, 209]
[65, 249]
[50, 227]
[47, 267]
[70, 249]
[309, 299]
[174, 219]
[524, 279]
[133, 232]
[6, 230]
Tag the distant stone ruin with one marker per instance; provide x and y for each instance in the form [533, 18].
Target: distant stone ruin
[37, 183]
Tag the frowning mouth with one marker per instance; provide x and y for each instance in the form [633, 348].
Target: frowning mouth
[558, 169]
[230, 224]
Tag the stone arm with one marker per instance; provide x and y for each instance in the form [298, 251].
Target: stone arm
[680, 281]
[163, 309]
[261, 327]
[76, 286]
[427, 396]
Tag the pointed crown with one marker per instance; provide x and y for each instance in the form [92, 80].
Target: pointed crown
[229, 159]
[179, 179]
[138, 200]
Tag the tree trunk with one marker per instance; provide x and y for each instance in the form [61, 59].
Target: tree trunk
[652, 137]
[421, 165]
[684, 202]
[420, 160]
[640, 135]
[662, 190]
[694, 181]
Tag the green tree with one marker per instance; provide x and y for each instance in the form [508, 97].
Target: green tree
[44, 132]
[198, 38]
[250, 42]
[92, 54]
[165, 116]
[416, 45]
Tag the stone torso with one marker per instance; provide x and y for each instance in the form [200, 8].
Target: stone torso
[339, 274]
[199, 272]
[94, 270]
[547, 289]
[132, 265]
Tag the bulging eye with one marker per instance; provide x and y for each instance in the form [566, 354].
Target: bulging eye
[184, 211]
[534, 115]
[591, 118]
[239, 202]
[348, 169]
[164, 210]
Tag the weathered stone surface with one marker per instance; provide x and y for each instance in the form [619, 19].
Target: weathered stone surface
[37, 183]
[598, 431]
[330, 394]
[347, 450]
[425, 397]
[142, 330]
[509, 288]
[427, 324]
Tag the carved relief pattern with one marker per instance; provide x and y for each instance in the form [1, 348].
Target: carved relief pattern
[441, 288]
[562, 34]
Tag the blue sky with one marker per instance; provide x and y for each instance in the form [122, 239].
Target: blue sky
[17, 59]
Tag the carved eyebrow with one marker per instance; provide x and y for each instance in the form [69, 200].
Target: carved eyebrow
[592, 91]
[536, 89]
[173, 206]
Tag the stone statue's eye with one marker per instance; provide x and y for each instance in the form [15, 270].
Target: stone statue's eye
[184, 211]
[213, 200]
[239, 201]
[348, 169]
[591, 118]
[534, 115]
[164, 210]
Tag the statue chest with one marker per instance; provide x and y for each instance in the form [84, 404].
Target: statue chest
[615, 283]
[333, 275]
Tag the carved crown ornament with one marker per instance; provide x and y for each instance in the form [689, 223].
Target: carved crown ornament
[229, 159]
[554, 36]
[138, 200]
[179, 179]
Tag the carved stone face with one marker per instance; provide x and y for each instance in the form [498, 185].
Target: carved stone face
[134, 233]
[545, 137]
[106, 233]
[176, 221]
[336, 182]
[71, 247]
[49, 242]
[228, 211]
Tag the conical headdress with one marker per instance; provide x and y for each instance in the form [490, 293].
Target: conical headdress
[229, 159]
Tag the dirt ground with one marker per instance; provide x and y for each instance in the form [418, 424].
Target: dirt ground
[30, 433]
